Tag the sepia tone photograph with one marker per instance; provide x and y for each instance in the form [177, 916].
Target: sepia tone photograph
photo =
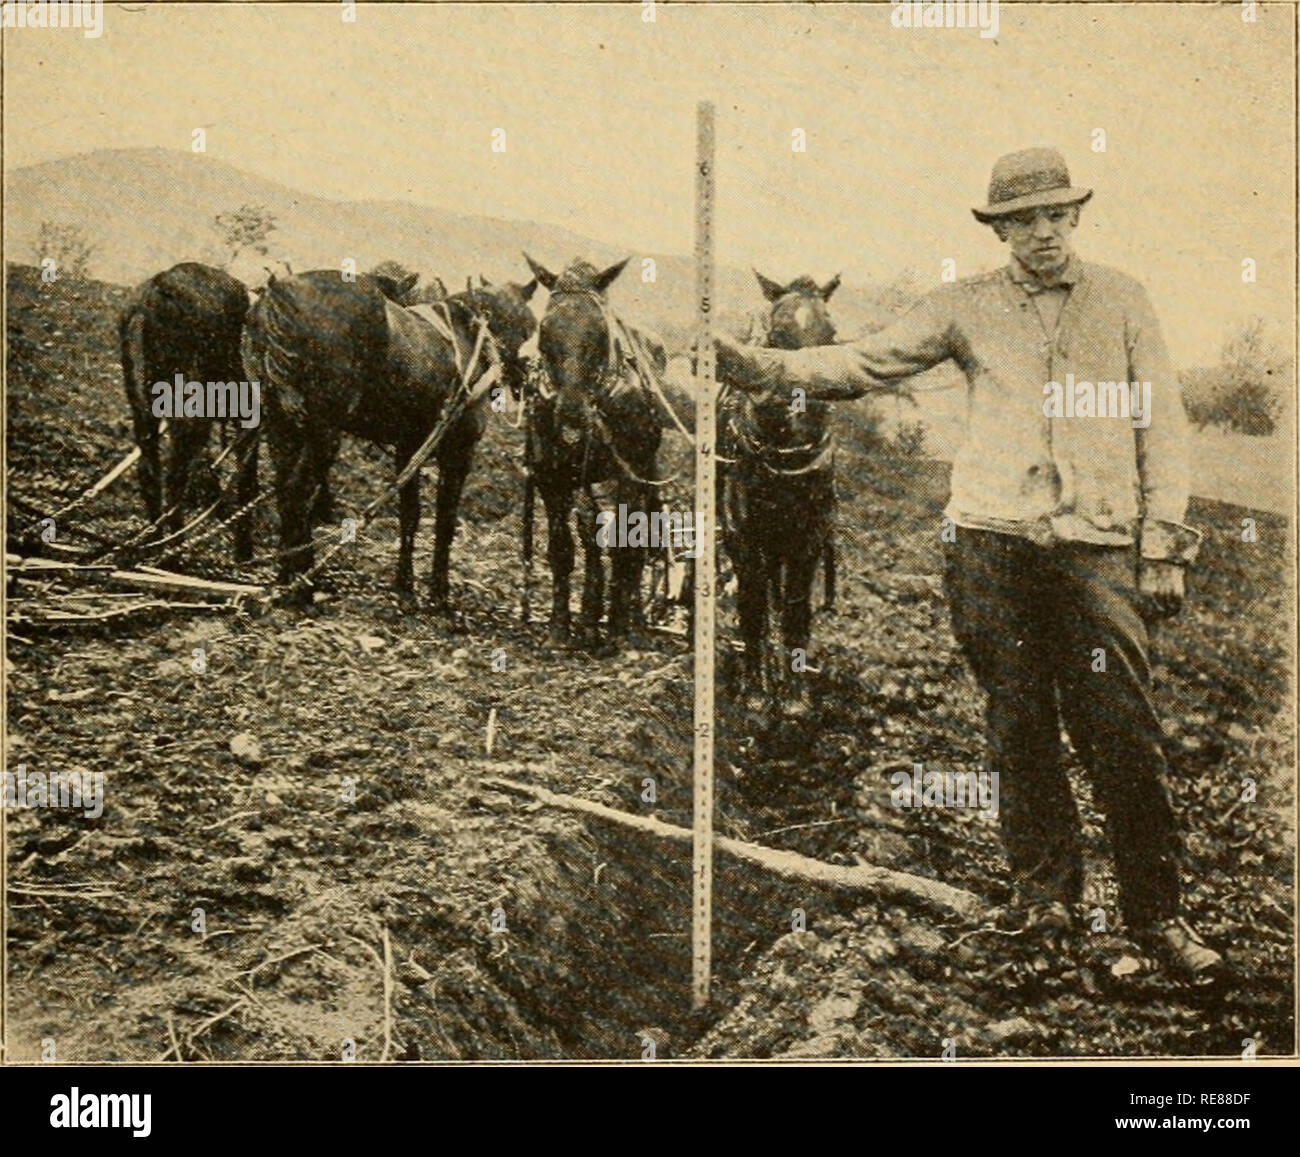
[649, 532]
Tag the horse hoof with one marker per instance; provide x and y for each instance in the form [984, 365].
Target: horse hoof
[295, 596]
[406, 599]
[557, 635]
[452, 619]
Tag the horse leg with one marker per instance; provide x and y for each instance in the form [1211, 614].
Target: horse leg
[751, 599]
[245, 492]
[559, 553]
[327, 449]
[135, 367]
[626, 564]
[149, 468]
[593, 579]
[828, 564]
[187, 438]
[802, 557]
[637, 564]
[294, 478]
[409, 523]
[453, 469]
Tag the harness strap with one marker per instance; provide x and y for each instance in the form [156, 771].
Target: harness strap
[439, 316]
[759, 451]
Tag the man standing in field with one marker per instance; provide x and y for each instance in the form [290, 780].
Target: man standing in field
[1063, 533]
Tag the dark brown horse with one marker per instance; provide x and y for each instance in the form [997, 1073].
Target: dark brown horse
[780, 498]
[597, 422]
[338, 356]
[185, 321]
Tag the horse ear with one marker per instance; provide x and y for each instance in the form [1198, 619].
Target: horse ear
[604, 280]
[830, 287]
[527, 291]
[541, 273]
[771, 290]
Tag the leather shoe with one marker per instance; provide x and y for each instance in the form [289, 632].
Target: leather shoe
[1178, 945]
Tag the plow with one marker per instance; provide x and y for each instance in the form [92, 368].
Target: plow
[54, 585]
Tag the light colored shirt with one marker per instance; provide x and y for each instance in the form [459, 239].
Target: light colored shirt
[1035, 463]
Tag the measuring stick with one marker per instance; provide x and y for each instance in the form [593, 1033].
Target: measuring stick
[705, 502]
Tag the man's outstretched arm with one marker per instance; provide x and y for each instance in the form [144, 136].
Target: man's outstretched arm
[878, 362]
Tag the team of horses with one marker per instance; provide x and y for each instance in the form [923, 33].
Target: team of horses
[353, 355]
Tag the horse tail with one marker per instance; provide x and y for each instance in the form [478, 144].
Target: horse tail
[130, 332]
[136, 371]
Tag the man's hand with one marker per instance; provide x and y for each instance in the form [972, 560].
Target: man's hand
[1160, 588]
[731, 363]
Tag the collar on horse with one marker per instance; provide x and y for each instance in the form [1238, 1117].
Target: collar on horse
[781, 461]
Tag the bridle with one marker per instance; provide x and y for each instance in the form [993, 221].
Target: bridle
[594, 425]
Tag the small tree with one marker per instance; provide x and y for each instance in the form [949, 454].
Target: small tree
[247, 227]
[1244, 391]
[67, 245]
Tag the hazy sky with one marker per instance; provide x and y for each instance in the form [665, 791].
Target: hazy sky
[599, 107]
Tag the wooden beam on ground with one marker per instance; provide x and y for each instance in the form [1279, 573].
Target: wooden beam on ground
[146, 578]
[18, 564]
[865, 879]
[53, 620]
[153, 579]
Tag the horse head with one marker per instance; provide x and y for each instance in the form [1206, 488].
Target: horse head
[505, 311]
[798, 317]
[575, 341]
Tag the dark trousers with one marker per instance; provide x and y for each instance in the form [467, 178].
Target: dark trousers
[1030, 620]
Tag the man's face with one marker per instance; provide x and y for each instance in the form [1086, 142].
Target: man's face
[1040, 238]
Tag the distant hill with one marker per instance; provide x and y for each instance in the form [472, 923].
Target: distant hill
[146, 209]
